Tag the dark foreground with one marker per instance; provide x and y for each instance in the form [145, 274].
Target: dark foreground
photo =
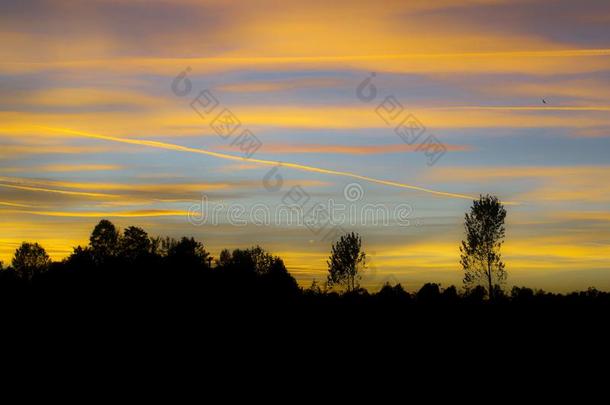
[124, 292]
[150, 316]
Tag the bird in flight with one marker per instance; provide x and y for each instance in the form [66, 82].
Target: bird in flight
[543, 101]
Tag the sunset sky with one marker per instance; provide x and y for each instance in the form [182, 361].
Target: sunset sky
[517, 91]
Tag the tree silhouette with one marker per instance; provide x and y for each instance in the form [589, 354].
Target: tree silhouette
[450, 295]
[475, 295]
[104, 240]
[30, 260]
[246, 270]
[314, 289]
[480, 252]
[393, 294]
[254, 260]
[187, 253]
[134, 244]
[224, 258]
[344, 262]
[277, 278]
[522, 295]
[429, 293]
[257, 258]
[81, 257]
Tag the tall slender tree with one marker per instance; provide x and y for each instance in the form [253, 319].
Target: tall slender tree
[346, 261]
[480, 251]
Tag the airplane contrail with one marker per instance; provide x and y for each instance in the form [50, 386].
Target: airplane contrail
[86, 214]
[49, 190]
[11, 204]
[179, 148]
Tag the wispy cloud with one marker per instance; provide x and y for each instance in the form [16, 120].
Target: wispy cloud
[602, 132]
[266, 86]
[277, 148]
[548, 184]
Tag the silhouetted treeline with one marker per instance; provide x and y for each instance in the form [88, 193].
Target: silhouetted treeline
[119, 267]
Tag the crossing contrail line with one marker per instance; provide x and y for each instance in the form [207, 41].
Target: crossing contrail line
[179, 148]
[49, 190]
